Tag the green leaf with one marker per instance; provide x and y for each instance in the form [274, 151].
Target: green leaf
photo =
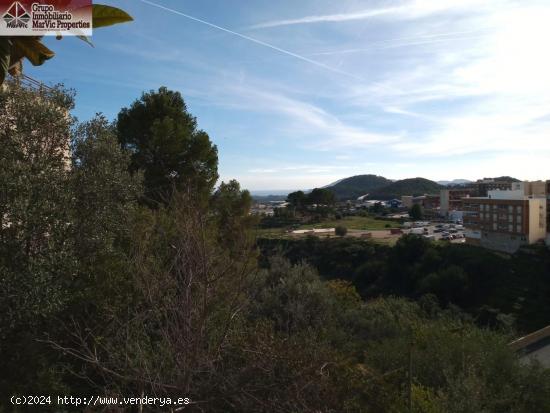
[5, 48]
[86, 39]
[107, 16]
[33, 49]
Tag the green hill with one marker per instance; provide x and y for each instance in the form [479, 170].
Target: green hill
[505, 178]
[410, 186]
[379, 187]
[356, 186]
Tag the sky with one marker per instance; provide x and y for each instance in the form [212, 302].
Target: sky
[299, 94]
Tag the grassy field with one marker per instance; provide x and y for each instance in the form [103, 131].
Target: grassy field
[386, 241]
[272, 233]
[353, 223]
[362, 223]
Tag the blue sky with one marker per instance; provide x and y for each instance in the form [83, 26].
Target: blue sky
[298, 94]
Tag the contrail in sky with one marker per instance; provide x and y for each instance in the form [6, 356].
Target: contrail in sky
[251, 39]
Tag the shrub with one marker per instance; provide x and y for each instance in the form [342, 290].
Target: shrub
[340, 230]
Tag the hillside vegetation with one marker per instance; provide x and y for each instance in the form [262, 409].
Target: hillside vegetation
[411, 186]
[358, 185]
[379, 187]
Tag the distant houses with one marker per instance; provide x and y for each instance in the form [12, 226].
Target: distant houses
[267, 208]
[502, 214]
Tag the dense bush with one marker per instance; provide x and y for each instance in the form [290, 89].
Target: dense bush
[340, 230]
[498, 290]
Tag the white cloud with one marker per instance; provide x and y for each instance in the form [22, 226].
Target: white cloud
[410, 10]
[411, 40]
[262, 171]
[340, 17]
[490, 95]
[312, 126]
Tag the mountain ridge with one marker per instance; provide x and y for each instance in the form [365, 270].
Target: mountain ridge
[379, 187]
[357, 185]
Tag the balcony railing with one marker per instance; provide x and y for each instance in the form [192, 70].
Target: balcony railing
[29, 82]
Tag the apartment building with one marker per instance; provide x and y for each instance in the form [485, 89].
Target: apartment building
[407, 201]
[425, 201]
[452, 200]
[429, 203]
[482, 186]
[505, 220]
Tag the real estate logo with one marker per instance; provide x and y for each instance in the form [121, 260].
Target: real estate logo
[46, 17]
[16, 16]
